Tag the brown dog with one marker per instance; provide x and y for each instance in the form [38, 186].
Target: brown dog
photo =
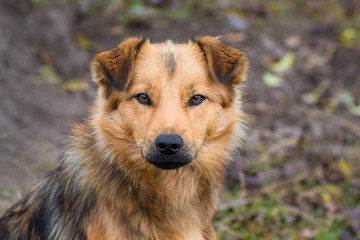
[150, 160]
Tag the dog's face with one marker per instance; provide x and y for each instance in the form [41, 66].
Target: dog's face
[169, 102]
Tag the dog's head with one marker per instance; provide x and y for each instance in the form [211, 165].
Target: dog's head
[169, 104]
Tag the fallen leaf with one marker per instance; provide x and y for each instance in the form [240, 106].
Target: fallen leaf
[329, 193]
[284, 63]
[272, 80]
[355, 110]
[50, 74]
[76, 85]
[313, 97]
[350, 37]
[345, 168]
[83, 41]
[348, 99]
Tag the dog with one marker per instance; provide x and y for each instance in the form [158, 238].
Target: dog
[150, 160]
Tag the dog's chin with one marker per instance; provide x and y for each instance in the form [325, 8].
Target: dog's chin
[169, 165]
[176, 161]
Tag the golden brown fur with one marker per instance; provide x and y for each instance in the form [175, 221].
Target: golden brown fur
[106, 187]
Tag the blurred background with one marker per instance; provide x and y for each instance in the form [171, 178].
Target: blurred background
[298, 175]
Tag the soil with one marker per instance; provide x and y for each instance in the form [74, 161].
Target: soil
[36, 118]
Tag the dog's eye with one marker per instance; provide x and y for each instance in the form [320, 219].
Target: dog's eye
[196, 100]
[143, 99]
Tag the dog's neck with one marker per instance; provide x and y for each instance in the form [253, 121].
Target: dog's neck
[166, 199]
[169, 202]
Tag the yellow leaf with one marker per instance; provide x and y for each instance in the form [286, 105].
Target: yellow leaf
[328, 193]
[50, 75]
[76, 85]
[283, 64]
[350, 37]
[345, 168]
[83, 41]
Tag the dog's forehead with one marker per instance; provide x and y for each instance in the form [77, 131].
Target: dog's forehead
[168, 55]
[171, 61]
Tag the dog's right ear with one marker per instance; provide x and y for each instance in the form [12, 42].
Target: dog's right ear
[227, 65]
[113, 68]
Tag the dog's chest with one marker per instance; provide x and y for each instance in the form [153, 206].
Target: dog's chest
[103, 226]
[194, 234]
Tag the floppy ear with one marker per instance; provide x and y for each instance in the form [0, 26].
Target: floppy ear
[113, 68]
[226, 64]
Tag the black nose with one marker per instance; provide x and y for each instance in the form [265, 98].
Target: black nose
[169, 144]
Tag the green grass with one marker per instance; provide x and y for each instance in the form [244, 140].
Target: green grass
[296, 207]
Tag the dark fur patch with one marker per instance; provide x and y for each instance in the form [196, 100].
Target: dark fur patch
[139, 45]
[59, 203]
[225, 63]
[113, 68]
[4, 231]
[201, 46]
[44, 217]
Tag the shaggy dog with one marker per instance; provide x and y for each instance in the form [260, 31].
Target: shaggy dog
[150, 160]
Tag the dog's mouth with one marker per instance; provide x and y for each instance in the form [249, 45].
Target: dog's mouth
[168, 165]
[165, 162]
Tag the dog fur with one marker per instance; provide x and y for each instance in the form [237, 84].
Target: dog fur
[112, 182]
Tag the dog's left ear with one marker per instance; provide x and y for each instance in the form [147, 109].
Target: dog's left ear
[112, 69]
[226, 64]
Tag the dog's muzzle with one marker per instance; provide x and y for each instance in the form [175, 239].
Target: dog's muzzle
[168, 152]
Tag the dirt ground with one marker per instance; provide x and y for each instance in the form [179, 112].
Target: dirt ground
[302, 126]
